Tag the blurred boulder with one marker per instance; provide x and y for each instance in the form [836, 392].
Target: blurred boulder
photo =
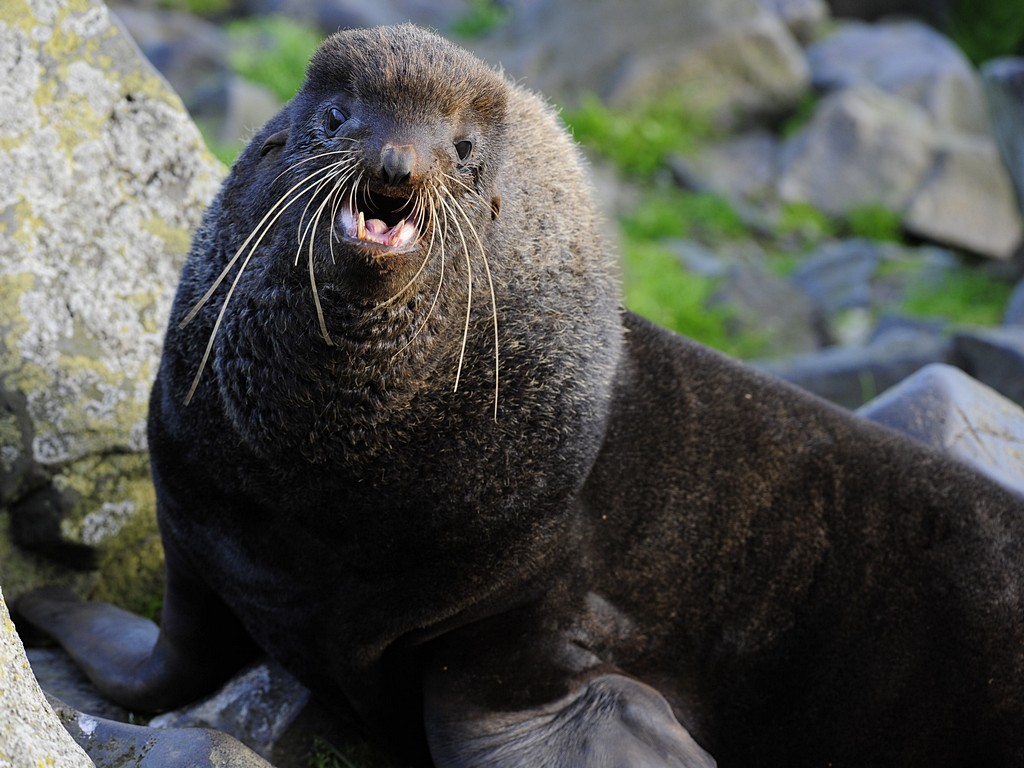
[1004, 85]
[731, 59]
[850, 376]
[802, 17]
[908, 59]
[968, 201]
[741, 167]
[1014, 314]
[863, 146]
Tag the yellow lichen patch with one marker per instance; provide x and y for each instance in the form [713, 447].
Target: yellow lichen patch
[12, 323]
[64, 42]
[28, 223]
[20, 14]
[178, 239]
[146, 83]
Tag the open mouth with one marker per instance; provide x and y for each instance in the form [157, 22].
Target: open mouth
[383, 220]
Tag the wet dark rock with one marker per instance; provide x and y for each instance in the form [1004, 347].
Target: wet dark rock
[112, 744]
[257, 706]
[850, 376]
[1004, 85]
[1014, 314]
[994, 356]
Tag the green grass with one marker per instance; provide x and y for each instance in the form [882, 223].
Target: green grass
[875, 222]
[656, 286]
[964, 295]
[637, 141]
[670, 212]
[204, 8]
[272, 51]
[482, 17]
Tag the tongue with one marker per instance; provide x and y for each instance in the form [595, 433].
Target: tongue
[377, 230]
[376, 227]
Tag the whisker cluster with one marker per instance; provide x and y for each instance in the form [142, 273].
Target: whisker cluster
[341, 182]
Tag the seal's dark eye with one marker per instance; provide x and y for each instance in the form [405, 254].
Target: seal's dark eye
[464, 148]
[334, 118]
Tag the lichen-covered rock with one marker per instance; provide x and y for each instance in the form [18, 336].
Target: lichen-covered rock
[105, 178]
[30, 734]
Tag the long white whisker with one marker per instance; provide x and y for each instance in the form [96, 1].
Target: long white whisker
[289, 198]
[494, 301]
[312, 279]
[437, 293]
[469, 290]
[284, 202]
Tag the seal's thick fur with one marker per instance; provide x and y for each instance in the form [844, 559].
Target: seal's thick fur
[645, 553]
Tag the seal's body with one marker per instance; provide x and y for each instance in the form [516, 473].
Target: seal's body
[404, 439]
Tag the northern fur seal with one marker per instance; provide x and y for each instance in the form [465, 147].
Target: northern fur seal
[429, 464]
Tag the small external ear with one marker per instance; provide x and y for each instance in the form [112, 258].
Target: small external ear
[495, 206]
[274, 142]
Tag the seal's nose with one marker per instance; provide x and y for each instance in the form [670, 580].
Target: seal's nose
[397, 163]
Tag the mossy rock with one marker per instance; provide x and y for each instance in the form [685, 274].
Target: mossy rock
[105, 178]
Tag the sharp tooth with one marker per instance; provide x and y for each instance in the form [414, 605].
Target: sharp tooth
[396, 233]
[361, 226]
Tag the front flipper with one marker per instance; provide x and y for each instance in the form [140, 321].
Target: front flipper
[610, 721]
[132, 662]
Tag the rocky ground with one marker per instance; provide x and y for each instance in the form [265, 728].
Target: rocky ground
[109, 176]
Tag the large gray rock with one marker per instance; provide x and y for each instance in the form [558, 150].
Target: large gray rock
[61, 679]
[968, 201]
[865, 146]
[730, 58]
[1004, 86]
[907, 59]
[30, 733]
[838, 275]
[105, 178]
[944, 407]
[862, 147]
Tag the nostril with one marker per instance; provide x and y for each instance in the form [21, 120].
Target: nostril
[397, 163]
